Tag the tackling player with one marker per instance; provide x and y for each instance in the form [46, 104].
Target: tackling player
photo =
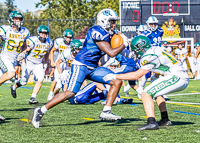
[60, 44]
[155, 59]
[37, 48]
[13, 36]
[85, 66]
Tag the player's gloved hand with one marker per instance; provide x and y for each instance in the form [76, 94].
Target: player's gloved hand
[45, 66]
[195, 61]
[21, 56]
[116, 31]
[109, 76]
[125, 39]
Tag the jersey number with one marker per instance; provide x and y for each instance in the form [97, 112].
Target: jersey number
[11, 48]
[38, 52]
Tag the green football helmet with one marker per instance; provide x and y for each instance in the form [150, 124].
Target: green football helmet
[140, 44]
[76, 45]
[165, 42]
[16, 14]
[68, 33]
[43, 28]
[197, 44]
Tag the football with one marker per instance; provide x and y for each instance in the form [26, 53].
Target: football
[116, 41]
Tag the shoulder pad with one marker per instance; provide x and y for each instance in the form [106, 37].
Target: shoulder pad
[160, 30]
[148, 59]
[99, 33]
[5, 28]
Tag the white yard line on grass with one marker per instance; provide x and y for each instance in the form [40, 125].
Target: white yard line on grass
[183, 94]
[183, 103]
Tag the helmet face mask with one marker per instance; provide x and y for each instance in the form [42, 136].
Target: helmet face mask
[151, 21]
[16, 18]
[105, 17]
[140, 44]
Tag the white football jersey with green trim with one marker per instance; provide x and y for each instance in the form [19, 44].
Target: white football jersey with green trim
[159, 61]
[38, 49]
[60, 45]
[181, 54]
[12, 41]
[67, 58]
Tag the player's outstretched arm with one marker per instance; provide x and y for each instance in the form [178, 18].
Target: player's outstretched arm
[127, 76]
[58, 65]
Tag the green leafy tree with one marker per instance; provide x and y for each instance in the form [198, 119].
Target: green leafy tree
[73, 9]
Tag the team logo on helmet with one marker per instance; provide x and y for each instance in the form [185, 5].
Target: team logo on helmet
[140, 44]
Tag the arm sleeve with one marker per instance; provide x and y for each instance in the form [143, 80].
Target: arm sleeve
[56, 45]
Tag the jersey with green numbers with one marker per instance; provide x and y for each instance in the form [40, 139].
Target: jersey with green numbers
[12, 41]
[60, 45]
[38, 49]
[159, 61]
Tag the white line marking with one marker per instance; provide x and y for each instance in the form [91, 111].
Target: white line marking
[183, 103]
[183, 94]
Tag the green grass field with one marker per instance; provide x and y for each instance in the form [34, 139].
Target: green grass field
[81, 123]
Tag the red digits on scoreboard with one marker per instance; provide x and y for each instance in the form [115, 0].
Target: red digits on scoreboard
[156, 7]
[136, 16]
[163, 7]
[177, 7]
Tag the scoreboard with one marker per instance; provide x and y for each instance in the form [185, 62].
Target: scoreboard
[135, 12]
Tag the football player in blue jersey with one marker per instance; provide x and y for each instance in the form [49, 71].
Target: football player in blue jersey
[85, 66]
[154, 33]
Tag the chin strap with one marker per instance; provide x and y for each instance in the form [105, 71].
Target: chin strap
[42, 39]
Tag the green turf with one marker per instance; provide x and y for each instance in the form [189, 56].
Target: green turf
[65, 123]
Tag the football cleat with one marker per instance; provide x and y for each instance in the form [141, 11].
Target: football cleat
[49, 97]
[149, 127]
[2, 118]
[125, 101]
[33, 101]
[108, 116]
[13, 92]
[37, 116]
[72, 100]
[165, 123]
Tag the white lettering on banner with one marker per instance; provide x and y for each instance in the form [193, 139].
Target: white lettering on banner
[128, 5]
[128, 28]
[192, 28]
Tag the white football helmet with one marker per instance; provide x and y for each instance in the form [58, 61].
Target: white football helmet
[152, 19]
[141, 28]
[104, 17]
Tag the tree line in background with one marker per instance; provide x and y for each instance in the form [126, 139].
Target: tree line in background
[82, 15]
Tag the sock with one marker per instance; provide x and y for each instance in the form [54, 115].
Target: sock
[13, 87]
[33, 95]
[151, 120]
[43, 109]
[107, 108]
[164, 116]
[139, 90]
[50, 92]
